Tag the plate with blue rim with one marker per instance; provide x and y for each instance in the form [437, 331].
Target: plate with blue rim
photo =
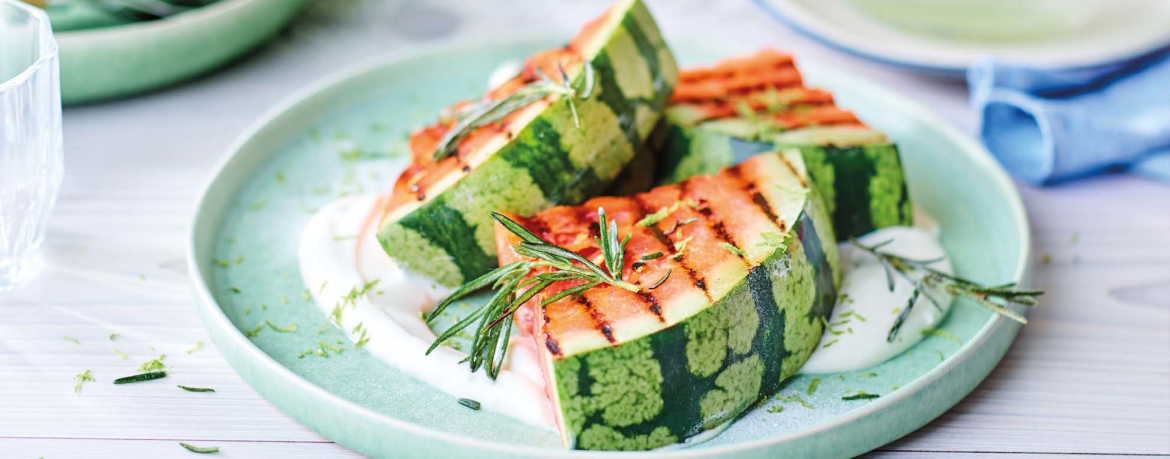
[346, 135]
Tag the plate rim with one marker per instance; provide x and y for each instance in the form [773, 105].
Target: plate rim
[258, 368]
[813, 26]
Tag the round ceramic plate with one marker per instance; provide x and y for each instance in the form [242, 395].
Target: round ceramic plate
[122, 60]
[945, 36]
[346, 135]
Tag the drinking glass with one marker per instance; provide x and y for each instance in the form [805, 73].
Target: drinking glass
[30, 137]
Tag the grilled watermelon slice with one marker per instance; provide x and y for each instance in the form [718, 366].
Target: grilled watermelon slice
[753, 272]
[740, 107]
[437, 221]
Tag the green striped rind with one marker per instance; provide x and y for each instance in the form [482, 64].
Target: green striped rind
[864, 185]
[450, 237]
[708, 369]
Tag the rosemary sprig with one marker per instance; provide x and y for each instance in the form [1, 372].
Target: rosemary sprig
[513, 287]
[918, 273]
[489, 112]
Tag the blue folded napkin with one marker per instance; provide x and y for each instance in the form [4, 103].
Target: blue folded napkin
[1048, 125]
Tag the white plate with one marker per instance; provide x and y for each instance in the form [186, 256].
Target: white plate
[1060, 33]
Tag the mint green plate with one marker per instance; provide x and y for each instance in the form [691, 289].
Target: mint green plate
[122, 60]
[305, 152]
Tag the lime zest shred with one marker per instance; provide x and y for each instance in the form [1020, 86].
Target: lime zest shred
[155, 364]
[794, 399]
[121, 355]
[81, 378]
[254, 332]
[941, 334]
[196, 348]
[812, 385]
[70, 339]
[290, 328]
[733, 249]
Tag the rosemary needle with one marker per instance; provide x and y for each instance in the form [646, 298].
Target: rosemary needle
[141, 377]
[997, 298]
[200, 449]
[469, 403]
[514, 286]
[196, 389]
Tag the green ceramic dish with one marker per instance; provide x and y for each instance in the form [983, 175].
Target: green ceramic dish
[122, 60]
[302, 154]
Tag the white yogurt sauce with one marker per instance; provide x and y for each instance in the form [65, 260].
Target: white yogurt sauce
[854, 344]
[330, 256]
[333, 261]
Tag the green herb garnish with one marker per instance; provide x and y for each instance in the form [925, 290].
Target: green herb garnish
[154, 364]
[81, 378]
[114, 336]
[651, 256]
[513, 287]
[733, 249]
[254, 332]
[661, 281]
[469, 403]
[196, 389]
[861, 395]
[812, 385]
[941, 334]
[489, 112]
[794, 399]
[830, 343]
[141, 377]
[918, 273]
[291, 327]
[776, 408]
[200, 449]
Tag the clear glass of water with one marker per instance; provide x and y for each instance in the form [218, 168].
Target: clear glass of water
[31, 153]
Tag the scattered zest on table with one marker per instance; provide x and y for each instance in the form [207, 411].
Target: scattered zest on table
[81, 378]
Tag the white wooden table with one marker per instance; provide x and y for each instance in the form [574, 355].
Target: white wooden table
[1089, 377]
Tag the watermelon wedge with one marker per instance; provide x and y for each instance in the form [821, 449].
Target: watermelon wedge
[723, 114]
[522, 150]
[735, 273]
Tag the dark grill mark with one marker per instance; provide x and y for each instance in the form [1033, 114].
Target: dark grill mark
[721, 231]
[792, 168]
[701, 284]
[649, 299]
[599, 321]
[643, 210]
[552, 345]
[466, 169]
[636, 265]
[762, 203]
